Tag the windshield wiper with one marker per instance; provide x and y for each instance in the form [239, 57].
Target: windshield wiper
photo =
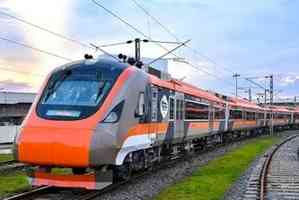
[99, 92]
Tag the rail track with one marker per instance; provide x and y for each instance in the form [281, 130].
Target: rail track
[276, 176]
[11, 165]
[9, 162]
[81, 194]
[49, 193]
[279, 178]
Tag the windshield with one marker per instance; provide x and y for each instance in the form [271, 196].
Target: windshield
[78, 90]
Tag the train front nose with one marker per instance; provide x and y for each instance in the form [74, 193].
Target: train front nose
[54, 146]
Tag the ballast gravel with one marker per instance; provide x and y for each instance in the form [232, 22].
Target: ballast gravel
[147, 187]
[239, 188]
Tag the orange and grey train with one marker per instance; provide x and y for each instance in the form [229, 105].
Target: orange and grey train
[105, 119]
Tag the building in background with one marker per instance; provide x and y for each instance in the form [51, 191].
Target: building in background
[13, 108]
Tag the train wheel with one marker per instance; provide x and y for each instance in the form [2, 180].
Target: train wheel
[122, 173]
[79, 171]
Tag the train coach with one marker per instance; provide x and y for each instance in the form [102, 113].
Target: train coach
[105, 119]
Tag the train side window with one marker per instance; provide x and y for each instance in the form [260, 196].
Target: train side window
[177, 109]
[182, 109]
[268, 116]
[171, 108]
[260, 115]
[235, 114]
[250, 115]
[219, 113]
[196, 111]
[282, 116]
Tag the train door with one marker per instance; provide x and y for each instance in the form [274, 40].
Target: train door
[179, 115]
[152, 127]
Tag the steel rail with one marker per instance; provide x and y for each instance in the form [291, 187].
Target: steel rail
[88, 195]
[33, 192]
[266, 166]
[9, 162]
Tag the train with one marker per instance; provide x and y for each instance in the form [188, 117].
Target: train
[104, 120]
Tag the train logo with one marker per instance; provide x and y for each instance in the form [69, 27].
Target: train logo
[164, 106]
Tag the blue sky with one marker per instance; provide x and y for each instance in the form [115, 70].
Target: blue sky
[253, 38]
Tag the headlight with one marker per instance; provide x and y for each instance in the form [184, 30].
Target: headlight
[115, 114]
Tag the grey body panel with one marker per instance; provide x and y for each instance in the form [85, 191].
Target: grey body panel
[108, 137]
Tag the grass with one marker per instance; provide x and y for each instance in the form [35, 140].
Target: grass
[13, 182]
[17, 181]
[213, 180]
[5, 157]
[61, 171]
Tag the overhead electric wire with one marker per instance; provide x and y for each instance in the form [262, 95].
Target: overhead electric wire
[129, 25]
[208, 73]
[169, 52]
[174, 36]
[260, 86]
[99, 47]
[155, 19]
[35, 49]
[163, 42]
[116, 44]
[209, 59]
[45, 29]
[105, 52]
[119, 18]
[144, 35]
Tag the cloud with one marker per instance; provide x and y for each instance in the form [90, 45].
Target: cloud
[288, 80]
[252, 38]
[11, 85]
[50, 14]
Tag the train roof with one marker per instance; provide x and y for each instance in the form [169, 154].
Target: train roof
[186, 88]
[280, 109]
[99, 62]
[243, 103]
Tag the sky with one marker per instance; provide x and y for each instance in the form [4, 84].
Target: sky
[252, 38]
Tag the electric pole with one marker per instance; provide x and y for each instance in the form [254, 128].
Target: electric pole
[236, 78]
[265, 97]
[271, 101]
[271, 89]
[249, 94]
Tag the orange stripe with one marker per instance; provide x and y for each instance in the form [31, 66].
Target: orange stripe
[216, 124]
[199, 125]
[143, 129]
[239, 123]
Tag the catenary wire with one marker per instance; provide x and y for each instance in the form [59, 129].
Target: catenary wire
[35, 49]
[144, 35]
[174, 36]
[99, 47]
